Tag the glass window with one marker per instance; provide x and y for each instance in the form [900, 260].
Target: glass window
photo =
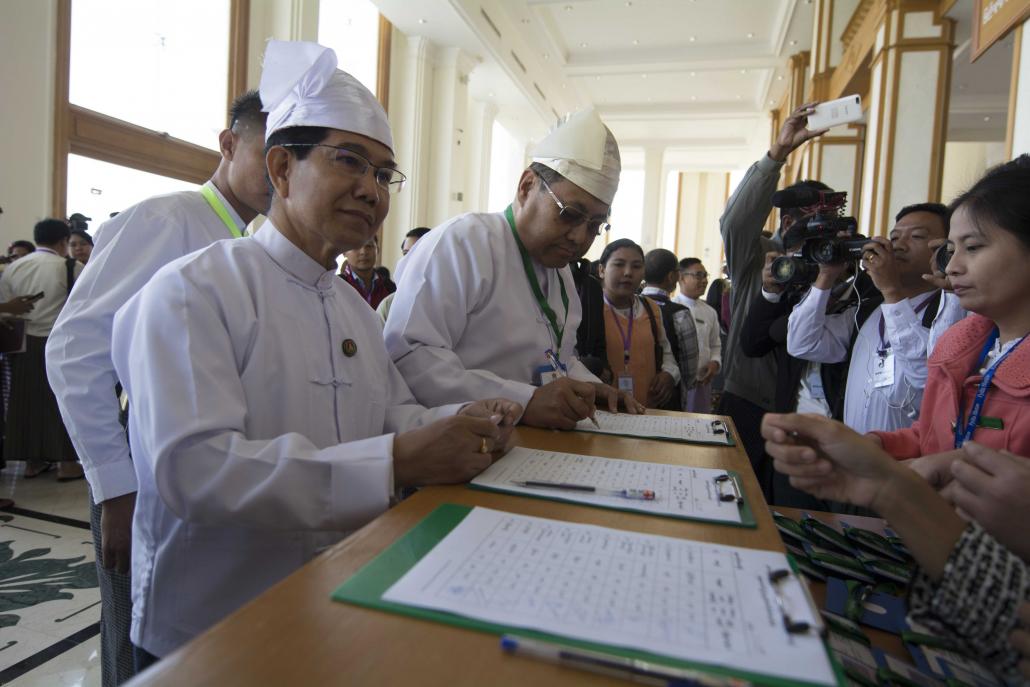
[627, 212]
[157, 64]
[351, 29]
[506, 165]
[96, 189]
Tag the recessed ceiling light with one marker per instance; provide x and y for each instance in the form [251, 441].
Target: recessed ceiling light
[771, 102]
[750, 35]
[780, 77]
[693, 73]
[693, 97]
[583, 45]
[692, 39]
[643, 76]
[743, 71]
[629, 4]
[491, 94]
[547, 55]
[636, 42]
[987, 119]
[421, 21]
[597, 78]
[739, 97]
[793, 42]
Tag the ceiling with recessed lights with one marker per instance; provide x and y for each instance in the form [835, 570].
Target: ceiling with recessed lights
[695, 78]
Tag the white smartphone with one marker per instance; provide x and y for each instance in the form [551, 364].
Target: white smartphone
[836, 112]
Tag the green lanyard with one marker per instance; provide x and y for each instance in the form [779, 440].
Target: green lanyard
[545, 307]
[216, 204]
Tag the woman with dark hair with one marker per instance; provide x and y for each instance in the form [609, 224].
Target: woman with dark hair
[80, 246]
[639, 355]
[990, 233]
[973, 582]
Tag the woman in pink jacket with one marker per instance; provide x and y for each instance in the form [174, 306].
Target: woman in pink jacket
[978, 383]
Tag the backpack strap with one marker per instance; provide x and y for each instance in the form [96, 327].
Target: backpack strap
[658, 355]
[69, 268]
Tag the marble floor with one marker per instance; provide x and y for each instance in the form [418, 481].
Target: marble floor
[43, 659]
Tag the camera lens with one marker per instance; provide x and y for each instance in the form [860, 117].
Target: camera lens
[783, 269]
[943, 256]
[826, 252]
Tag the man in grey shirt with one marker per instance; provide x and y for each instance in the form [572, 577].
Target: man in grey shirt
[750, 383]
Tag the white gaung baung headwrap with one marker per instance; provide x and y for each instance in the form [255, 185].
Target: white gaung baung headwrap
[301, 86]
[584, 151]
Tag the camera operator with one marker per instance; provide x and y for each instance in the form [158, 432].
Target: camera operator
[749, 383]
[801, 386]
[887, 367]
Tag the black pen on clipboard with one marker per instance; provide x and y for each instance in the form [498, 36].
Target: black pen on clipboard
[560, 371]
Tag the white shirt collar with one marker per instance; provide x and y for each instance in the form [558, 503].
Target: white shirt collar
[291, 258]
[649, 290]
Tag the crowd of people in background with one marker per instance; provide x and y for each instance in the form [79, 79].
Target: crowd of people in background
[907, 367]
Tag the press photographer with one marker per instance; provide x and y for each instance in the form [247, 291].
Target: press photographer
[887, 348]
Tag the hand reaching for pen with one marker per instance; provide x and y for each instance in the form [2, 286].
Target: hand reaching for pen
[504, 413]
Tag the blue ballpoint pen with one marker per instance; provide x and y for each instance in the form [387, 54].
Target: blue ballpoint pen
[615, 666]
[560, 369]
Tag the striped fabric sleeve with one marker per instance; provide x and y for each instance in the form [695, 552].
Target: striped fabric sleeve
[976, 600]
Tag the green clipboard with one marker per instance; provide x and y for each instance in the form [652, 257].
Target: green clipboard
[747, 517]
[366, 588]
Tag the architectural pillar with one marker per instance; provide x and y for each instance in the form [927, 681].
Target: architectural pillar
[479, 142]
[1018, 129]
[652, 197]
[908, 104]
[446, 175]
[411, 105]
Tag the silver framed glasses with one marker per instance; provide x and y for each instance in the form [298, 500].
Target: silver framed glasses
[573, 217]
[356, 165]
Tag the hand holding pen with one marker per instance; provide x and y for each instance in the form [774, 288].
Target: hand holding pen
[562, 371]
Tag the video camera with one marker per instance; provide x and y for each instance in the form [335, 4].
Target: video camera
[816, 234]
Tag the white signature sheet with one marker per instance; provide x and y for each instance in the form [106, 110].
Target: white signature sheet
[685, 599]
[680, 491]
[676, 428]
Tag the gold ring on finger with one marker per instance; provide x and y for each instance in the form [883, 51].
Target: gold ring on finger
[483, 448]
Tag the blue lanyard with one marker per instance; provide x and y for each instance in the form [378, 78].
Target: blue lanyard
[961, 436]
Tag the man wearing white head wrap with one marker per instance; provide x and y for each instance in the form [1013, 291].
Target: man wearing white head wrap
[483, 307]
[267, 418]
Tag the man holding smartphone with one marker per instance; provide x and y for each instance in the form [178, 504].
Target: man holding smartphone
[35, 431]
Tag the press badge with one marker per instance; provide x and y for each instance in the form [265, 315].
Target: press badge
[626, 384]
[883, 373]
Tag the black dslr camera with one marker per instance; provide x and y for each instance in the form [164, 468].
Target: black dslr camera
[817, 235]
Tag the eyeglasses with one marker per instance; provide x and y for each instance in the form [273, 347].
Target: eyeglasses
[695, 275]
[355, 165]
[573, 217]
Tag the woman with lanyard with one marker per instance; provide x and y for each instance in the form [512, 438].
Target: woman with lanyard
[978, 383]
[973, 436]
[639, 355]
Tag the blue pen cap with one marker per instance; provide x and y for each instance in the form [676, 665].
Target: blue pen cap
[508, 644]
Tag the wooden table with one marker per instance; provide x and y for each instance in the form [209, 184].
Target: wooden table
[294, 634]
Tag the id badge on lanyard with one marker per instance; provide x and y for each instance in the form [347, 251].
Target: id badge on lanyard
[626, 383]
[883, 373]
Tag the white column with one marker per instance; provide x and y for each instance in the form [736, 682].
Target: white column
[652, 197]
[478, 144]
[908, 104]
[411, 107]
[1020, 101]
[449, 115]
[28, 32]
